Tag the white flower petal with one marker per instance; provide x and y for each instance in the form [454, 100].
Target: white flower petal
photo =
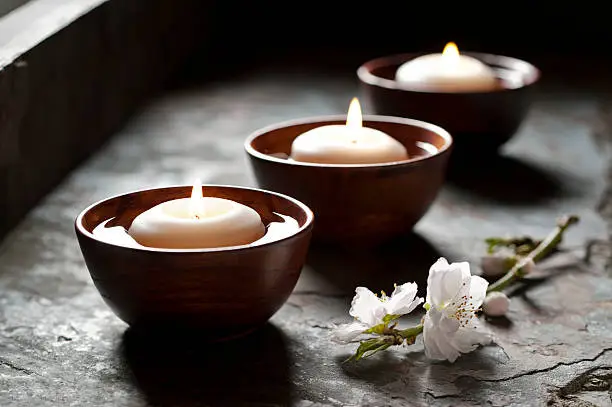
[348, 332]
[448, 350]
[436, 347]
[440, 346]
[445, 280]
[451, 326]
[460, 300]
[478, 290]
[367, 307]
[432, 351]
[469, 338]
[436, 273]
[403, 300]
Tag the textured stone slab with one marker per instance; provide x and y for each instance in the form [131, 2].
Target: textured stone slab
[60, 345]
[10, 5]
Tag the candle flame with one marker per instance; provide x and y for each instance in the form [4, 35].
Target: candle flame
[353, 118]
[451, 50]
[196, 203]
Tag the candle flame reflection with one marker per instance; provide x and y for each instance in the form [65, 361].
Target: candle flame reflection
[451, 50]
[353, 118]
[196, 203]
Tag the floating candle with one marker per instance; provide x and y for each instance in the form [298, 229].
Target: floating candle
[347, 144]
[197, 223]
[447, 72]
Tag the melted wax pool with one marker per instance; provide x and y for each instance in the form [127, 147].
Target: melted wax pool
[276, 230]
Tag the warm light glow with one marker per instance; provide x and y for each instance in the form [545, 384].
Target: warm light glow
[353, 118]
[196, 203]
[451, 50]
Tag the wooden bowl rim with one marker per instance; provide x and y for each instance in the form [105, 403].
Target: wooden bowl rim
[364, 72]
[448, 140]
[305, 228]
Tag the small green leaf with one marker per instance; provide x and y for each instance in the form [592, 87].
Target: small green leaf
[521, 245]
[382, 347]
[389, 318]
[369, 347]
[377, 329]
[524, 249]
[494, 242]
[410, 334]
[426, 306]
[381, 328]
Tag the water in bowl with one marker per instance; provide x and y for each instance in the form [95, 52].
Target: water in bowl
[280, 227]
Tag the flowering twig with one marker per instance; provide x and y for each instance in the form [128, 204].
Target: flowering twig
[390, 337]
[455, 297]
[520, 245]
[450, 326]
[547, 245]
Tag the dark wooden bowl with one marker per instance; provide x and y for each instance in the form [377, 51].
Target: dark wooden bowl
[363, 204]
[480, 122]
[233, 290]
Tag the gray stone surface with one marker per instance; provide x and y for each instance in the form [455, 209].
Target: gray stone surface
[9, 5]
[60, 344]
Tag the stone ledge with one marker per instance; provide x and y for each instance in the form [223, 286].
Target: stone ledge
[70, 73]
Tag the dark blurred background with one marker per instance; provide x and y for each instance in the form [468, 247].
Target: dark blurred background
[326, 34]
[72, 69]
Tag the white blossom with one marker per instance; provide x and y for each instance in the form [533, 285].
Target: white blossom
[369, 310]
[454, 297]
[348, 332]
[496, 304]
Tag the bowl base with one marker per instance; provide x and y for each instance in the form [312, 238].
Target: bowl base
[182, 332]
[472, 144]
[348, 242]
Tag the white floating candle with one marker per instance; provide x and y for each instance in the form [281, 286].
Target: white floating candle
[197, 223]
[347, 144]
[447, 72]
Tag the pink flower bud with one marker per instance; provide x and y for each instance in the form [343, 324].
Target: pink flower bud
[529, 266]
[496, 304]
[495, 266]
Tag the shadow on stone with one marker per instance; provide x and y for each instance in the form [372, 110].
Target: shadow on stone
[403, 260]
[462, 374]
[501, 322]
[412, 375]
[384, 367]
[504, 179]
[184, 371]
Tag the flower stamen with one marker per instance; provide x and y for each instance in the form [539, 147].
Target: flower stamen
[463, 311]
